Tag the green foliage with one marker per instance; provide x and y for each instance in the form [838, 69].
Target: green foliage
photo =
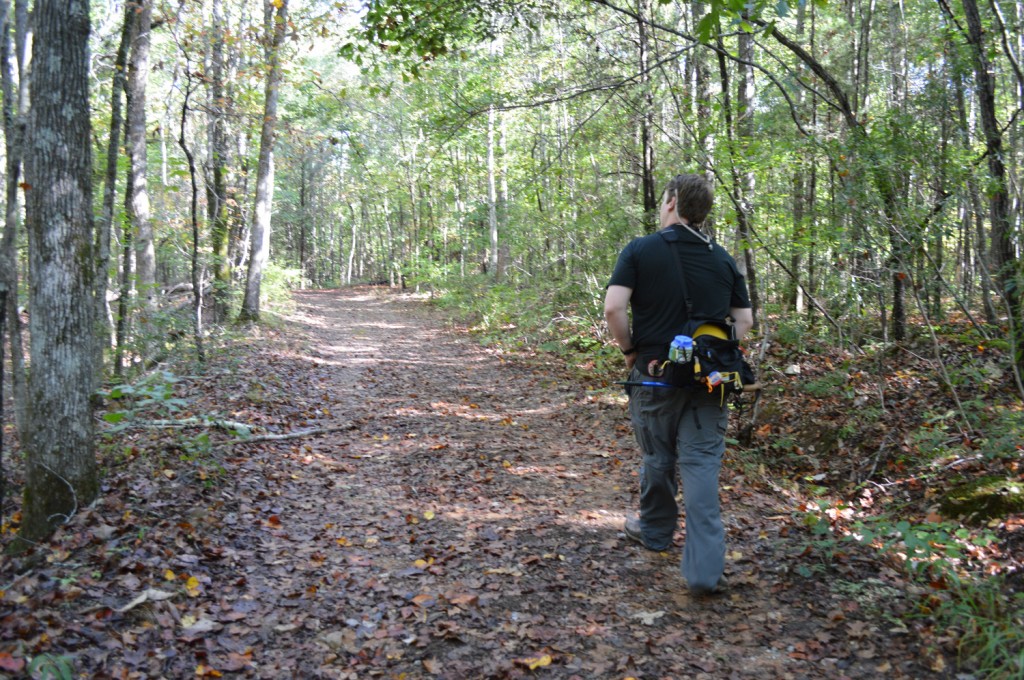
[990, 626]
[51, 667]
[1003, 428]
[277, 285]
[153, 395]
[561, 318]
[984, 614]
[829, 385]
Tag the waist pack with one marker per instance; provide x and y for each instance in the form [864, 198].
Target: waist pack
[717, 362]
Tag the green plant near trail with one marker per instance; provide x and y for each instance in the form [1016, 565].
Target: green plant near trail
[560, 317]
[277, 285]
[51, 667]
[152, 395]
[990, 625]
[983, 613]
[152, 401]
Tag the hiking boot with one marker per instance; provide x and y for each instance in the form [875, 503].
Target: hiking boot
[720, 588]
[635, 534]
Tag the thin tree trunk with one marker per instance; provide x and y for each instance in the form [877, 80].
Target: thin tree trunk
[135, 141]
[106, 225]
[1003, 256]
[648, 184]
[745, 175]
[197, 274]
[881, 178]
[14, 127]
[492, 195]
[61, 472]
[219, 217]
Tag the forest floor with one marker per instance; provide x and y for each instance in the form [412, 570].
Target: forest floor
[458, 515]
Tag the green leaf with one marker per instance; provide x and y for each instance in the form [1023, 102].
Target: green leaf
[707, 27]
[115, 417]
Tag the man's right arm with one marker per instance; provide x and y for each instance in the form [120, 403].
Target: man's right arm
[616, 305]
[742, 320]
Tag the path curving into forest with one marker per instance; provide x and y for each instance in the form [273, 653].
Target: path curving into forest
[459, 517]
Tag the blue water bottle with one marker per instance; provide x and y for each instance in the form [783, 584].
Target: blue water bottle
[681, 349]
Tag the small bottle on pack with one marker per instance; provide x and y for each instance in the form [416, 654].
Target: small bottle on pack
[681, 349]
[714, 380]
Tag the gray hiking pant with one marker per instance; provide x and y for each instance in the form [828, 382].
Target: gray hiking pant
[684, 429]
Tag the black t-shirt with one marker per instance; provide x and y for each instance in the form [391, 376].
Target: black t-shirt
[659, 307]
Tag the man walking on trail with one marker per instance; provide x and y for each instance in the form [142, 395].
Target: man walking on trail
[677, 426]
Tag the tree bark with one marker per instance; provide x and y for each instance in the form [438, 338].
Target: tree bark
[260, 250]
[1003, 256]
[14, 124]
[61, 472]
[648, 184]
[745, 180]
[197, 273]
[219, 217]
[138, 207]
[492, 194]
[3, 327]
[106, 225]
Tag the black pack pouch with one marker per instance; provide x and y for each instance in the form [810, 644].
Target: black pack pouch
[724, 357]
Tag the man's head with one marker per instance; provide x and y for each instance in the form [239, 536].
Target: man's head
[688, 197]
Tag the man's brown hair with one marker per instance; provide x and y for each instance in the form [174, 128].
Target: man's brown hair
[694, 197]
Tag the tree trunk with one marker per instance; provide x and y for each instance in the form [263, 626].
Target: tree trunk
[14, 124]
[276, 27]
[492, 193]
[219, 217]
[61, 472]
[1003, 257]
[648, 184]
[135, 141]
[3, 328]
[106, 225]
[881, 178]
[197, 273]
[745, 175]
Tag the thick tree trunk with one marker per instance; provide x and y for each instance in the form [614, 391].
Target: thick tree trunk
[260, 249]
[61, 473]
[135, 141]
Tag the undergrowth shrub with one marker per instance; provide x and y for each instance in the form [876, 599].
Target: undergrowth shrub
[990, 627]
[562, 317]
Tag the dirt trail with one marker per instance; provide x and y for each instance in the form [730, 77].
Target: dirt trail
[469, 525]
[466, 523]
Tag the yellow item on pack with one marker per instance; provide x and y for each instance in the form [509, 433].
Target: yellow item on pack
[712, 329]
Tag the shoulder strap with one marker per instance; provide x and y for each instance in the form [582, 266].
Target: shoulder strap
[671, 238]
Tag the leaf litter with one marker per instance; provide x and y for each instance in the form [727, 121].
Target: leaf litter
[466, 523]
